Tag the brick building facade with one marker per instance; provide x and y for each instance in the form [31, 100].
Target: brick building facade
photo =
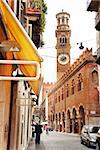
[74, 99]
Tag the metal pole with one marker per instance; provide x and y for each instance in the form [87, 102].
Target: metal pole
[38, 71]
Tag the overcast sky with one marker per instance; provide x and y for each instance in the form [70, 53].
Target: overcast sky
[82, 25]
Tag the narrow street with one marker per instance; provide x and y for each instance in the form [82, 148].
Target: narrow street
[49, 74]
[58, 141]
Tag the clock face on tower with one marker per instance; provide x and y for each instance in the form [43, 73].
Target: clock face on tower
[63, 59]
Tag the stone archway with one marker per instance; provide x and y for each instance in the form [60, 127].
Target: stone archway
[75, 126]
[56, 119]
[69, 122]
[60, 123]
[63, 121]
[81, 117]
[53, 120]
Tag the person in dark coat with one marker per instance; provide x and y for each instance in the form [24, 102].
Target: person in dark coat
[33, 129]
[38, 131]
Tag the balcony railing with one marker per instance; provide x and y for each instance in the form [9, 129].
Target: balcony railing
[33, 8]
[33, 11]
[92, 5]
[97, 21]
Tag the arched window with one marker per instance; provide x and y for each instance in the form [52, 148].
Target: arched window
[66, 20]
[58, 20]
[59, 96]
[63, 40]
[59, 116]
[62, 19]
[95, 77]
[73, 87]
[67, 90]
[62, 93]
[80, 82]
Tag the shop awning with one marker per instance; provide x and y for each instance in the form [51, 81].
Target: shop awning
[27, 49]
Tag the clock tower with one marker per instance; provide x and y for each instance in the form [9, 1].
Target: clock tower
[63, 34]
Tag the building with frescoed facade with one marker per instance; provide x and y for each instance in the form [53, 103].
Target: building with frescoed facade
[74, 99]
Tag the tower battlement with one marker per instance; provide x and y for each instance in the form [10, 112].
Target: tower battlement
[48, 83]
[84, 56]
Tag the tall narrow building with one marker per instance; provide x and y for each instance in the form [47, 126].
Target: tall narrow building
[63, 34]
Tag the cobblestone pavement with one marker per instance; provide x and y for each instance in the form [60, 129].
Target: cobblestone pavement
[58, 141]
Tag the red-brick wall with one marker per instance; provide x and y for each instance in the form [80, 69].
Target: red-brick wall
[88, 96]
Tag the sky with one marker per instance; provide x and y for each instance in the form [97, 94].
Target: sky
[82, 25]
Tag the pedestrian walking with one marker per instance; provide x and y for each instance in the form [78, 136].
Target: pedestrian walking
[38, 131]
[47, 130]
[33, 129]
